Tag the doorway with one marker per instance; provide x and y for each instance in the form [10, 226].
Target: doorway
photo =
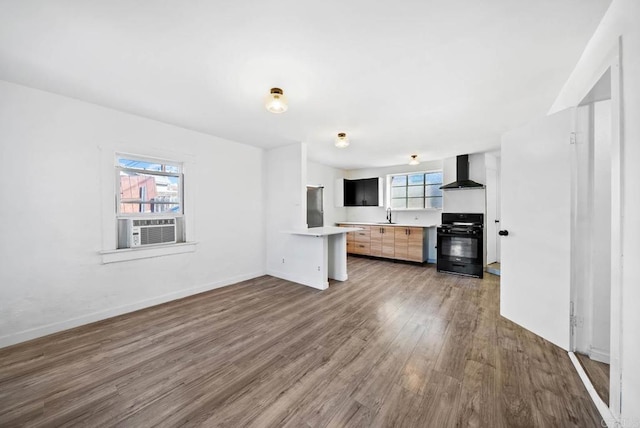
[594, 226]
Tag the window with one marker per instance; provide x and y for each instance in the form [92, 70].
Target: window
[416, 190]
[148, 187]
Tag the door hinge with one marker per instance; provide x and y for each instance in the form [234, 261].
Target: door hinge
[573, 319]
[572, 138]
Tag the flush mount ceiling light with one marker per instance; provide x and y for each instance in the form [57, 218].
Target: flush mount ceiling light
[341, 140]
[414, 160]
[276, 102]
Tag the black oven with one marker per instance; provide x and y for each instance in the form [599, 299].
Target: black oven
[461, 244]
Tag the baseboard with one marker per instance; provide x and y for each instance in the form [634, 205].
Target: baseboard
[599, 355]
[297, 279]
[602, 407]
[57, 327]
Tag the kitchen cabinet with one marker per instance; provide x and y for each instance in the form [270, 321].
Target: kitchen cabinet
[362, 192]
[362, 241]
[389, 241]
[382, 241]
[409, 243]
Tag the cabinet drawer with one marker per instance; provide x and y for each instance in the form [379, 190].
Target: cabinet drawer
[361, 248]
[363, 235]
[361, 238]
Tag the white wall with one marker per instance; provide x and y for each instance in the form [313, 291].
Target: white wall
[52, 150]
[465, 200]
[622, 21]
[318, 174]
[292, 257]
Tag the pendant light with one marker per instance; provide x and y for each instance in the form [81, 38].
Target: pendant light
[341, 140]
[276, 102]
[414, 160]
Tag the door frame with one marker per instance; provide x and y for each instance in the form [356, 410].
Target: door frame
[613, 64]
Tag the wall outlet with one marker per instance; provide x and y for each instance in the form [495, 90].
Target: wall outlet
[283, 260]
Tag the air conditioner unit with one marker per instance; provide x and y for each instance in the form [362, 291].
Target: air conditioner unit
[154, 231]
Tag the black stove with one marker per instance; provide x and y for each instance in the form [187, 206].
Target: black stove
[461, 244]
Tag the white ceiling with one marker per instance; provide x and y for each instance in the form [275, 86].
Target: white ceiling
[436, 78]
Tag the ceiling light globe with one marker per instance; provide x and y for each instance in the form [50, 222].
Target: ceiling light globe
[276, 102]
[414, 160]
[342, 141]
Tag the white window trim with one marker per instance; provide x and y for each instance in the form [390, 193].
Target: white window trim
[388, 196]
[109, 160]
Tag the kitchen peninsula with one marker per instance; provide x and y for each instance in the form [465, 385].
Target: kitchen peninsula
[321, 254]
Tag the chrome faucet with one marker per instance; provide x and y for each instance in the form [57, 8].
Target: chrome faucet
[389, 214]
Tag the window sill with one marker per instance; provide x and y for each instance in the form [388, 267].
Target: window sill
[126, 254]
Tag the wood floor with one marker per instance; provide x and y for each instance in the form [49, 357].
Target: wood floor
[396, 345]
[598, 375]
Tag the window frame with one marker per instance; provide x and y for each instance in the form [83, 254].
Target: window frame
[179, 175]
[424, 188]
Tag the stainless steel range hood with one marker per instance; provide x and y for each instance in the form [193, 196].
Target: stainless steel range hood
[462, 176]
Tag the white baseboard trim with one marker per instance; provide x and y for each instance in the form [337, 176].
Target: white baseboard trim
[45, 330]
[599, 355]
[602, 407]
[297, 279]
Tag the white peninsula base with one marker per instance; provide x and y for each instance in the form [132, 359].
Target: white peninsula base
[320, 253]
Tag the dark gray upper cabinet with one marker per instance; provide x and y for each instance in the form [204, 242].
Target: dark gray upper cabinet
[361, 193]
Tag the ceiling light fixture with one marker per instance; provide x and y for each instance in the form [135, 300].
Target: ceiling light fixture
[276, 102]
[414, 160]
[341, 140]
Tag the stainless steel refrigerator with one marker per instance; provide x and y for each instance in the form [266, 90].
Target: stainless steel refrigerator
[315, 213]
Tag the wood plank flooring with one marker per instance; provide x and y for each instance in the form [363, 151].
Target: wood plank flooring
[397, 345]
[598, 375]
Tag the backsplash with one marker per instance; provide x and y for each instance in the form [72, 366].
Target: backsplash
[378, 214]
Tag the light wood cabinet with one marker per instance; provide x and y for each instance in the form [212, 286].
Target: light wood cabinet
[393, 242]
[409, 243]
[362, 241]
[382, 241]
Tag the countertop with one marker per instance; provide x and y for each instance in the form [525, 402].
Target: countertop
[323, 231]
[368, 223]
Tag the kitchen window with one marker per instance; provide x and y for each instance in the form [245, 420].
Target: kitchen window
[420, 190]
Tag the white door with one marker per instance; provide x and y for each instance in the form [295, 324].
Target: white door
[536, 212]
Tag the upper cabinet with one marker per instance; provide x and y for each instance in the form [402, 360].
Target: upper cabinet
[362, 193]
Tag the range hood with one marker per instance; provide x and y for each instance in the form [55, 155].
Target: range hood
[462, 176]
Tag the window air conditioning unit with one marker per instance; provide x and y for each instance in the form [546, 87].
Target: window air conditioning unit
[143, 232]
